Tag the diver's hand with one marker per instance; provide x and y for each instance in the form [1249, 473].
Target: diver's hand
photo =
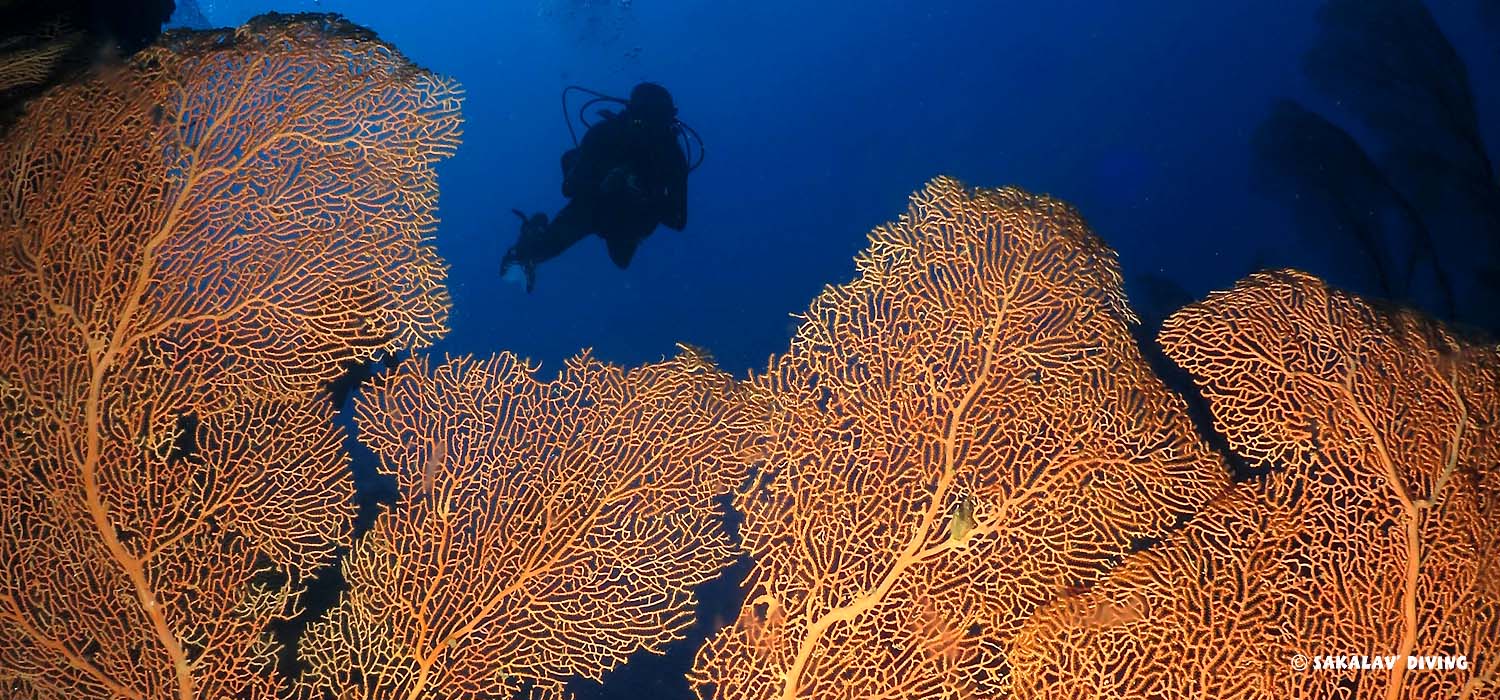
[611, 181]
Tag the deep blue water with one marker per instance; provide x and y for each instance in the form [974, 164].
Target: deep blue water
[818, 124]
[820, 120]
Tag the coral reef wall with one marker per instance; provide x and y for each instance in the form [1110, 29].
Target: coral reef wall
[962, 479]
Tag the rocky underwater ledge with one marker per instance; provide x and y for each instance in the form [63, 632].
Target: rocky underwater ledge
[962, 479]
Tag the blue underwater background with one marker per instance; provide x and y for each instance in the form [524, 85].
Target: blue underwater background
[819, 119]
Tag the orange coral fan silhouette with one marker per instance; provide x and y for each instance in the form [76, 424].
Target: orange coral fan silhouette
[1376, 534]
[190, 247]
[27, 61]
[546, 529]
[958, 435]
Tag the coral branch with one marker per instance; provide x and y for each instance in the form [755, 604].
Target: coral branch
[546, 529]
[179, 283]
[1375, 534]
[957, 436]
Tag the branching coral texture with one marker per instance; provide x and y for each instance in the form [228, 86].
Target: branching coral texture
[947, 481]
[958, 436]
[191, 246]
[1376, 534]
[546, 528]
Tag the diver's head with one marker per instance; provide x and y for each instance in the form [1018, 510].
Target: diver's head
[652, 104]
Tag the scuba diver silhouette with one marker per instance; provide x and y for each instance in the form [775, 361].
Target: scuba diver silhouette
[627, 176]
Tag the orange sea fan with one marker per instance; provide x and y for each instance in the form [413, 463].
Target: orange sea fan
[1375, 534]
[187, 245]
[28, 61]
[563, 527]
[956, 436]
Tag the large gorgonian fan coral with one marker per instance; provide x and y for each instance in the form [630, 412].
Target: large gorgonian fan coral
[190, 247]
[1376, 534]
[958, 436]
[546, 529]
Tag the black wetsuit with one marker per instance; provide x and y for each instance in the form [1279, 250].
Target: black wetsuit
[622, 180]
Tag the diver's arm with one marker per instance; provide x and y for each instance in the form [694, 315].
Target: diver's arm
[590, 158]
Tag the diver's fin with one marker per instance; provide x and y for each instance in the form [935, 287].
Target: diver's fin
[508, 260]
[621, 250]
[521, 214]
[530, 269]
